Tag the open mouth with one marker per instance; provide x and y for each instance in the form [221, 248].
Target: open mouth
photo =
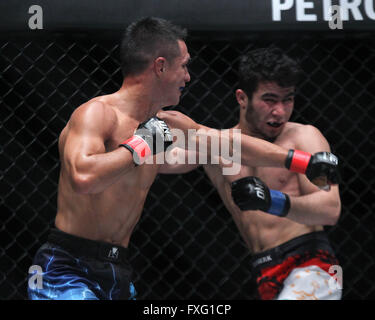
[181, 88]
[275, 124]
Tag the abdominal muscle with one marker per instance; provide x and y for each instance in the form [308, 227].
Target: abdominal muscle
[108, 216]
[260, 230]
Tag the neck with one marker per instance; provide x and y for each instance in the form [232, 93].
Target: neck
[245, 128]
[135, 98]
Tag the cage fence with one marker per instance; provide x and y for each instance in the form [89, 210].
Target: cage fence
[186, 245]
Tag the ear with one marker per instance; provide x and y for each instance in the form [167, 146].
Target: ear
[160, 65]
[242, 98]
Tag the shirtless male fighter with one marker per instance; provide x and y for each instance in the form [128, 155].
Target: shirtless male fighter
[103, 182]
[283, 227]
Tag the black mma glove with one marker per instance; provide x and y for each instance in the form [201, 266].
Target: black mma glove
[151, 137]
[321, 168]
[251, 193]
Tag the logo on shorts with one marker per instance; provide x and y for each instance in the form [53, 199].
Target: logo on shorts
[262, 260]
[113, 253]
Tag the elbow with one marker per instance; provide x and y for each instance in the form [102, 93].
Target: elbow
[334, 214]
[82, 183]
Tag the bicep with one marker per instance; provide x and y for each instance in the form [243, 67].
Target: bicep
[79, 146]
[85, 136]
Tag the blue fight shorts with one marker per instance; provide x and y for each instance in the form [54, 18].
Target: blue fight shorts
[75, 268]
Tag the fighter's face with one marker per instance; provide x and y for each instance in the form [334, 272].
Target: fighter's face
[177, 75]
[269, 109]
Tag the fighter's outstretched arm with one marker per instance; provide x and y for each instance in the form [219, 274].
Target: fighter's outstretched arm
[320, 168]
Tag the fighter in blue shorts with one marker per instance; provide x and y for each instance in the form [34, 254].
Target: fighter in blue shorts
[104, 179]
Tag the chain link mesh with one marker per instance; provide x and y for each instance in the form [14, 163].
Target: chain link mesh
[186, 245]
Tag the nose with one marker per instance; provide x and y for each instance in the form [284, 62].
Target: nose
[187, 76]
[278, 109]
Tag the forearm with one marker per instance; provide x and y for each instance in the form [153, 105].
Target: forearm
[242, 148]
[314, 208]
[260, 153]
[317, 208]
[94, 173]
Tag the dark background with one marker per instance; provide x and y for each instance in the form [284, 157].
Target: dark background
[186, 245]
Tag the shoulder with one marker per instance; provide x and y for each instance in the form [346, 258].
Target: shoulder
[94, 110]
[93, 114]
[306, 137]
[298, 129]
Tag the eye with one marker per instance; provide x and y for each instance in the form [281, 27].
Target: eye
[185, 65]
[288, 100]
[271, 101]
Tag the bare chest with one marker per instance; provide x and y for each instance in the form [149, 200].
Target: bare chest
[276, 178]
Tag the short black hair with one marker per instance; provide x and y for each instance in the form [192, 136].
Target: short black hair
[147, 39]
[267, 65]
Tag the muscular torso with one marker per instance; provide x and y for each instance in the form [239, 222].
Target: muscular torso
[262, 231]
[112, 214]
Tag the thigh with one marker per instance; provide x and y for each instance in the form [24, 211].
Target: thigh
[125, 289]
[70, 289]
[309, 283]
[62, 277]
